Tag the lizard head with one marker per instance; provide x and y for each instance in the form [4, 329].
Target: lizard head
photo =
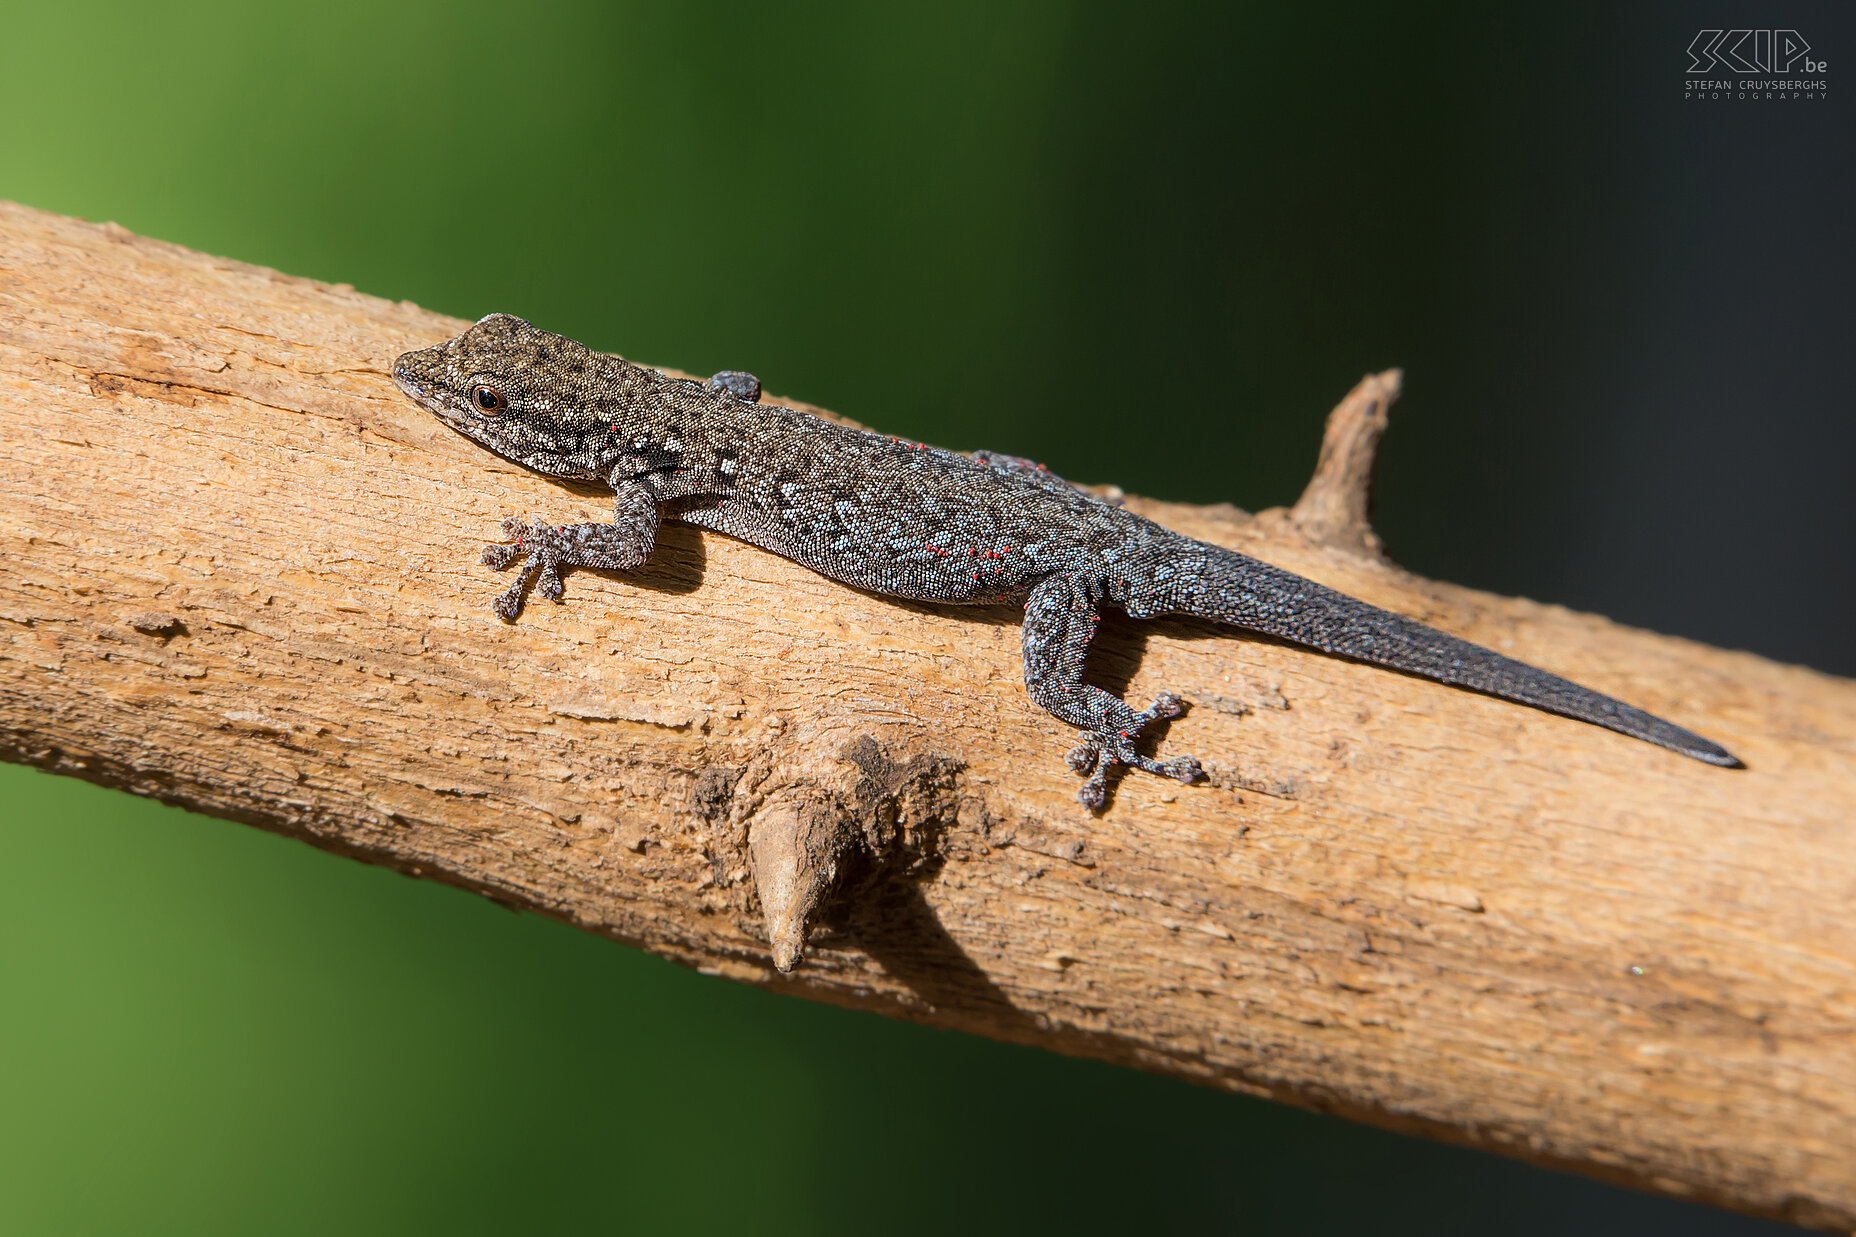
[525, 393]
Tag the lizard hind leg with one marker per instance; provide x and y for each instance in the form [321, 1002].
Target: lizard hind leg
[544, 549]
[1060, 621]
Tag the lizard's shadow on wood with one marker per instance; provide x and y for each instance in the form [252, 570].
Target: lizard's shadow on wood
[1001, 615]
[677, 565]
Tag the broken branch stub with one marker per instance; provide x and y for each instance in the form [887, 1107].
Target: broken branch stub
[1335, 508]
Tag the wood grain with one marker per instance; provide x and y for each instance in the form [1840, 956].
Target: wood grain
[239, 574]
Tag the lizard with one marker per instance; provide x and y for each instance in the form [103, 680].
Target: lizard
[907, 520]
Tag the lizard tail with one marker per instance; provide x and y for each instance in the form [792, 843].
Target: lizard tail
[1246, 592]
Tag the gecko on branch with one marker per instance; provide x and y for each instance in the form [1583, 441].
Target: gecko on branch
[907, 520]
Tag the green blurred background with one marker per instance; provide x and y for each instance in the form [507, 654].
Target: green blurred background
[1149, 246]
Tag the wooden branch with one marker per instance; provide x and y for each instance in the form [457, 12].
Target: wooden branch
[240, 574]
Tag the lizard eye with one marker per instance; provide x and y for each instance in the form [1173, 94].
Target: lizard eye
[488, 399]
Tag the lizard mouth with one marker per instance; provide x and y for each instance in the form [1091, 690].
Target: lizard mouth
[404, 380]
[426, 396]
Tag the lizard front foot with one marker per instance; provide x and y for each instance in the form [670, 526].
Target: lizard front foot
[543, 549]
[1098, 754]
[540, 545]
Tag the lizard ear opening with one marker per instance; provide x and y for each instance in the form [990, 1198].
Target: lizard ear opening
[488, 400]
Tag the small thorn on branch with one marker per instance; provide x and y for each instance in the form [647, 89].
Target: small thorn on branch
[795, 851]
[1334, 509]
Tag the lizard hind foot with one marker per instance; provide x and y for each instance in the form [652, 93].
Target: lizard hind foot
[1097, 756]
[1091, 758]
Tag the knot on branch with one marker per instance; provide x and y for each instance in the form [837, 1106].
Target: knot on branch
[804, 839]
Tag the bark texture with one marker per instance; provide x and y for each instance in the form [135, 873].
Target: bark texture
[238, 572]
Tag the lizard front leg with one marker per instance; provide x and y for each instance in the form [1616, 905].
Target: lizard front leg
[545, 548]
[1060, 621]
[738, 383]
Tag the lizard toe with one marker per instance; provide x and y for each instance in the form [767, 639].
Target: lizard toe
[500, 556]
[508, 603]
[1184, 768]
[1166, 704]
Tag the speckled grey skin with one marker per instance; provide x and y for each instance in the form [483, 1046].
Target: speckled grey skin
[908, 520]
